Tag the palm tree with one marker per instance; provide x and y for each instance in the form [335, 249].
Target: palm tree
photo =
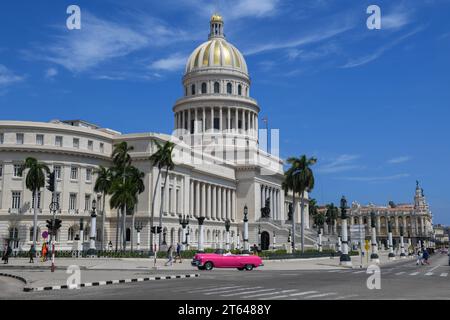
[162, 158]
[103, 185]
[137, 177]
[35, 180]
[332, 215]
[301, 178]
[121, 160]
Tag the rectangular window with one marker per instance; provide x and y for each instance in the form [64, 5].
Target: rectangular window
[40, 139]
[76, 143]
[38, 200]
[58, 199]
[19, 138]
[58, 141]
[1, 170]
[15, 200]
[102, 147]
[73, 201]
[2, 137]
[17, 170]
[170, 202]
[57, 170]
[74, 173]
[91, 145]
[89, 174]
[87, 202]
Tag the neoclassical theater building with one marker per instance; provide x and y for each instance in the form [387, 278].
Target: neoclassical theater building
[414, 218]
[222, 165]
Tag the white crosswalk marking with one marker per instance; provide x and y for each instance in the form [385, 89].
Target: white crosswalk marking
[213, 289]
[346, 297]
[429, 273]
[234, 290]
[268, 294]
[360, 271]
[444, 274]
[334, 271]
[414, 273]
[245, 292]
[399, 273]
[302, 293]
[321, 295]
[273, 298]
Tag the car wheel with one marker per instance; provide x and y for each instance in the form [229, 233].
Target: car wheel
[208, 266]
[248, 267]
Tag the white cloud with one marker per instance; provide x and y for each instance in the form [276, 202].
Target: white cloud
[342, 163]
[172, 63]
[376, 179]
[257, 8]
[7, 77]
[312, 37]
[50, 73]
[379, 52]
[399, 160]
[395, 20]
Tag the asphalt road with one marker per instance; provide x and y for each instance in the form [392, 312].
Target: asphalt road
[401, 280]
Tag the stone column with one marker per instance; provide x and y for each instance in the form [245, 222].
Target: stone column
[374, 256]
[236, 120]
[214, 202]
[219, 203]
[189, 121]
[391, 244]
[229, 120]
[233, 205]
[402, 244]
[208, 205]
[378, 224]
[200, 234]
[195, 121]
[197, 199]
[228, 204]
[203, 202]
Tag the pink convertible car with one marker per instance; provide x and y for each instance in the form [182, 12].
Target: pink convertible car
[208, 261]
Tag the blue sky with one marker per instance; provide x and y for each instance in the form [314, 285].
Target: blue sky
[371, 105]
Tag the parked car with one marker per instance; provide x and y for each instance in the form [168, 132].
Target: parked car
[208, 261]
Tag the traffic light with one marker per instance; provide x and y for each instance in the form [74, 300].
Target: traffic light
[53, 228]
[51, 181]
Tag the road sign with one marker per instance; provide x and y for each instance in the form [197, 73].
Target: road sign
[45, 234]
[367, 246]
[357, 231]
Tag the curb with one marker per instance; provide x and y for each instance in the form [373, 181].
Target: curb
[13, 276]
[109, 282]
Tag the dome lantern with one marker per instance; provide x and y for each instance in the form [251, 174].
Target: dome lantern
[216, 29]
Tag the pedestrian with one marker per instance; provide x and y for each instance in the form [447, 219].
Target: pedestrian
[44, 252]
[7, 253]
[31, 253]
[169, 256]
[255, 249]
[425, 257]
[178, 255]
[419, 258]
[110, 245]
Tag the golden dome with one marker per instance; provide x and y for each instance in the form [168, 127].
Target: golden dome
[216, 18]
[216, 52]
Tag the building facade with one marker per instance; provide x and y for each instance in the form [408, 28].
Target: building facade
[221, 166]
[415, 219]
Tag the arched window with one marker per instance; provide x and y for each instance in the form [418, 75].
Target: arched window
[14, 237]
[86, 234]
[185, 91]
[216, 87]
[204, 87]
[98, 236]
[128, 235]
[193, 89]
[240, 90]
[229, 88]
[70, 234]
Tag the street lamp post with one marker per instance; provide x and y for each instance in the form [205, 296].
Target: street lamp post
[184, 222]
[138, 226]
[259, 236]
[246, 248]
[345, 258]
[81, 234]
[200, 246]
[402, 244]
[238, 234]
[339, 245]
[374, 256]
[227, 229]
[391, 255]
[274, 240]
[320, 239]
[92, 251]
